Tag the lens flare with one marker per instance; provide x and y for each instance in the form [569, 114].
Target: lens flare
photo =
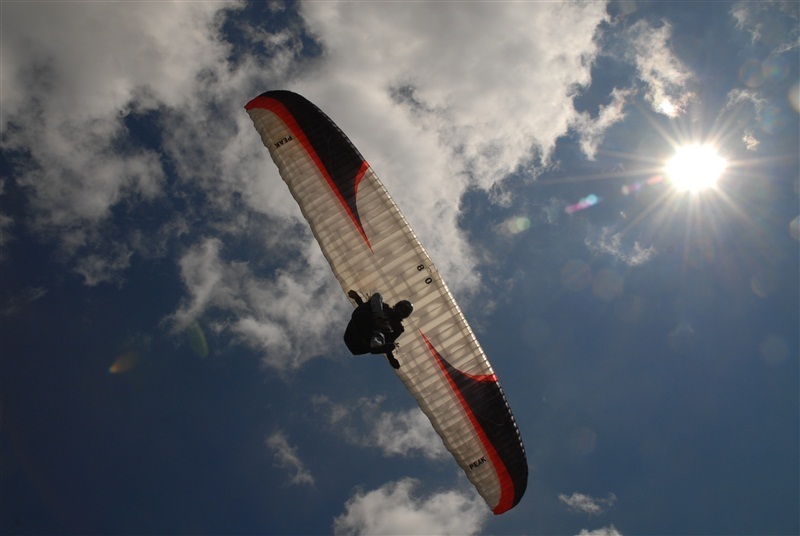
[628, 189]
[124, 362]
[197, 339]
[586, 202]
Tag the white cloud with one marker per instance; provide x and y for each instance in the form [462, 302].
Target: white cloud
[202, 272]
[75, 177]
[70, 71]
[70, 74]
[89, 58]
[579, 502]
[286, 457]
[393, 509]
[665, 76]
[402, 433]
[290, 317]
[438, 96]
[610, 530]
[398, 434]
[750, 141]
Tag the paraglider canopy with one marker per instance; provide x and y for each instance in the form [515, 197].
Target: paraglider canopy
[371, 248]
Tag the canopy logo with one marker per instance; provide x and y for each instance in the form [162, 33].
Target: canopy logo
[473, 465]
[287, 139]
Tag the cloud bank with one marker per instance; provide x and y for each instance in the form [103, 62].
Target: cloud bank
[161, 127]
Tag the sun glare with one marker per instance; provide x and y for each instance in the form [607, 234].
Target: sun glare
[694, 168]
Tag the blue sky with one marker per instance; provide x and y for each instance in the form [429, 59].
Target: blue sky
[171, 344]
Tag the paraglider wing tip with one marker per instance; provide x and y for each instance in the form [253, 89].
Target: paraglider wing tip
[257, 102]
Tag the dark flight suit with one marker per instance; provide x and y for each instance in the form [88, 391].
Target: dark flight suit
[363, 337]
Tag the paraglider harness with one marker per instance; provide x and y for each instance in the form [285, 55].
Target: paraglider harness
[374, 326]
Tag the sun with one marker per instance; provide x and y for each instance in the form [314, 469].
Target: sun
[695, 168]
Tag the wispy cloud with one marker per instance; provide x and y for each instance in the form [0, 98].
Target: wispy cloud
[394, 509]
[775, 24]
[579, 502]
[17, 301]
[665, 76]
[286, 457]
[610, 243]
[107, 267]
[592, 130]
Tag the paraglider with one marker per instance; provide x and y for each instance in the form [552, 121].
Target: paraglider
[371, 248]
[375, 326]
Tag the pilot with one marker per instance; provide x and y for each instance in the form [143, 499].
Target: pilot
[375, 326]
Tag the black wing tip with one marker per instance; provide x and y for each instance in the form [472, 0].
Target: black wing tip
[277, 94]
